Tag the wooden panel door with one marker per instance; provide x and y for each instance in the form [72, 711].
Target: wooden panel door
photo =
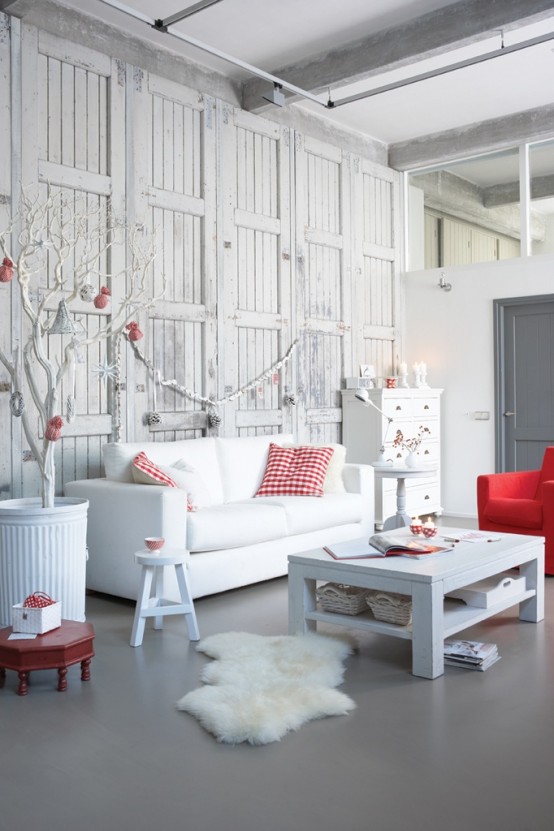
[524, 381]
[72, 144]
[256, 325]
[174, 178]
[376, 231]
[322, 286]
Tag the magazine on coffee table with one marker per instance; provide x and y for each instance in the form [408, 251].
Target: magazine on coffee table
[382, 545]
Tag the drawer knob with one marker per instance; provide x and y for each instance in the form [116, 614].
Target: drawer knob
[427, 496]
[426, 453]
[398, 407]
[426, 407]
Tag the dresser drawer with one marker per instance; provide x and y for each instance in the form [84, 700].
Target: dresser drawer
[422, 497]
[425, 407]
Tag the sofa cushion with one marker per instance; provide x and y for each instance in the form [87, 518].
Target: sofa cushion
[145, 472]
[199, 453]
[295, 471]
[312, 513]
[235, 524]
[333, 482]
[242, 463]
[522, 513]
[188, 478]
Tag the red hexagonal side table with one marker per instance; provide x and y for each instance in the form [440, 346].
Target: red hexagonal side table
[69, 644]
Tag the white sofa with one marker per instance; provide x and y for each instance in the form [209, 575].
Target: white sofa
[238, 539]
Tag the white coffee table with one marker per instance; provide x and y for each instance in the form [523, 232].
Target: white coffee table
[434, 618]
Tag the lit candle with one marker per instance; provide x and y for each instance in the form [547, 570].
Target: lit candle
[403, 368]
[429, 523]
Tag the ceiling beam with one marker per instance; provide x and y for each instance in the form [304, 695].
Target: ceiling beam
[432, 34]
[542, 187]
[474, 140]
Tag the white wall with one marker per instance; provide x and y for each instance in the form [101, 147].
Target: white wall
[453, 333]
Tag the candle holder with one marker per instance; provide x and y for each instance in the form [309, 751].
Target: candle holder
[429, 531]
[416, 526]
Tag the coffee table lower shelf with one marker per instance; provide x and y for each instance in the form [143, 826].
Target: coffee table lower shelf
[457, 617]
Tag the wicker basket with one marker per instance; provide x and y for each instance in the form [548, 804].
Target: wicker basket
[36, 621]
[346, 600]
[390, 607]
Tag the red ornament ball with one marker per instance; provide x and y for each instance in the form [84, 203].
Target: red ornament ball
[6, 270]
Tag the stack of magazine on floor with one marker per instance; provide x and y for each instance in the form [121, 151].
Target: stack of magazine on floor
[470, 654]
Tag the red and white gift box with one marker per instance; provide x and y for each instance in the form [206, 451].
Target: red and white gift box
[36, 615]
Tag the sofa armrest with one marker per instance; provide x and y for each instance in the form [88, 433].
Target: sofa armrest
[133, 511]
[120, 516]
[359, 479]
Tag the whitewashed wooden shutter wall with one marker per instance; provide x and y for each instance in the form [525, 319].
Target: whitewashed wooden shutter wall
[72, 143]
[264, 235]
[323, 285]
[10, 454]
[375, 247]
[174, 178]
[256, 327]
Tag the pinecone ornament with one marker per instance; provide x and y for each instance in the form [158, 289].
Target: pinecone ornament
[17, 404]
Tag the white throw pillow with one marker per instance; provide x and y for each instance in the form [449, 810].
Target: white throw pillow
[333, 478]
[187, 477]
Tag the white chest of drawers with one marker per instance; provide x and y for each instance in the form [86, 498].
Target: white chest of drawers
[365, 431]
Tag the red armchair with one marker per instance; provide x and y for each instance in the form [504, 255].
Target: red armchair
[520, 503]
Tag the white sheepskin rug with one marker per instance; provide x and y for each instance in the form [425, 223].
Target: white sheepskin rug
[259, 687]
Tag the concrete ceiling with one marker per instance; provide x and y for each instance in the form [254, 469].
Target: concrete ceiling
[334, 48]
[352, 45]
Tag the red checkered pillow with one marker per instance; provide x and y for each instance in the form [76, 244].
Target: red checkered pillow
[295, 471]
[146, 472]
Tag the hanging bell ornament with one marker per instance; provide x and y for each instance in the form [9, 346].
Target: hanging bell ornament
[101, 300]
[153, 418]
[133, 331]
[54, 429]
[63, 324]
[6, 270]
[17, 404]
[214, 420]
[87, 293]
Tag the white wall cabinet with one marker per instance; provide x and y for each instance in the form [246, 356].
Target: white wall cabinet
[365, 431]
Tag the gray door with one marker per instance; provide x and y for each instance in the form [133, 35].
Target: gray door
[524, 379]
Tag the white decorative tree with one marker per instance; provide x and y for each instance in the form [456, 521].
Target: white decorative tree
[61, 247]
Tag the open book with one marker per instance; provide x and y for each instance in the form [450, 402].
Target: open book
[383, 545]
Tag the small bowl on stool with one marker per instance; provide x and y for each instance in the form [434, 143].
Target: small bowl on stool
[154, 543]
[416, 528]
[429, 531]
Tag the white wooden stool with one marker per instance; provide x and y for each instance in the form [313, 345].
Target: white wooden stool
[152, 570]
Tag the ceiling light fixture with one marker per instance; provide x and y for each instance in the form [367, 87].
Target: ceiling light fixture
[276, 96]
[166, 26]
[443, 70]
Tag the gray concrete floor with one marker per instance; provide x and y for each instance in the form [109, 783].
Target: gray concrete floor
[467, 751]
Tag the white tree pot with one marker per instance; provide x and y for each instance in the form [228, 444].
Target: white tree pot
[43, 549]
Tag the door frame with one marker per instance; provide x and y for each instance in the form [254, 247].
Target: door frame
[499, 308]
